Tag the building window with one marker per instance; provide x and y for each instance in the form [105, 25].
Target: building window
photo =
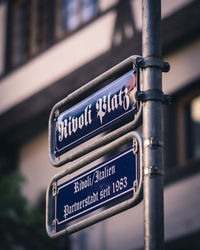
[36, 24]
[29, 30]
[182, 129]
[89, 9]
[186, 136]
[40, 39]
[20, 32]
[192, 120]
[71, 14]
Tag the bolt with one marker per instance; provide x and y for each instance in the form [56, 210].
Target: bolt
[140, 61]
[166, 67]
[135, 146]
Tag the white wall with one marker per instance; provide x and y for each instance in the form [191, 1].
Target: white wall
[58, 61]
[184, 67]
[34, 165]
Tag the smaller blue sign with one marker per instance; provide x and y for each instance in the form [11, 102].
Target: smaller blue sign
[101, 185]
[96, 113]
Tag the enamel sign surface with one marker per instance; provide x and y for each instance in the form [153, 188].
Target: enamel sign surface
[96, 187]
[115, 185]
[96, 113]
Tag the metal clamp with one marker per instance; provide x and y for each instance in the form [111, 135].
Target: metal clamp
[152, 142]
[152, 171]
[153, 95]
[153, 62]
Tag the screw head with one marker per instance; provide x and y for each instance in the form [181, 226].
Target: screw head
[135, 146]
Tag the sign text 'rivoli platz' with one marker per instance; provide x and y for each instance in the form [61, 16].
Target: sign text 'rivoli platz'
[96, 113]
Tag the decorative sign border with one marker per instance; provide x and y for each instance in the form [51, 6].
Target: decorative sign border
[59, 154]
[96, 113]
[97, 187]
[56, 226]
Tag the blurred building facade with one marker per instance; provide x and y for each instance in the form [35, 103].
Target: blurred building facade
[49, 49]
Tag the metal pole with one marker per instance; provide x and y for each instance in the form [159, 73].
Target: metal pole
[152, 127]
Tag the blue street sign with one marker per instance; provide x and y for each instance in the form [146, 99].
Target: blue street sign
[96, 113]
[93, 189]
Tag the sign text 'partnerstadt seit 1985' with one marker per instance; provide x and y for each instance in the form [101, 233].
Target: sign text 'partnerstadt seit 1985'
[96, 113]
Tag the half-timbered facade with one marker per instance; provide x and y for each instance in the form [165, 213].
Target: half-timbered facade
[49, 49]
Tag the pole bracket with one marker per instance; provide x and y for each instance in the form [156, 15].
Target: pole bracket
[152, 95]
[152, 171]
[153, 62]
[152, 142]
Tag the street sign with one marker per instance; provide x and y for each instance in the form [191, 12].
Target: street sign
[97, 187]
[96, 113]
[115, 181]
[97, 106]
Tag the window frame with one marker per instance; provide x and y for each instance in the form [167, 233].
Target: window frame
[182, 127]
[54, 34]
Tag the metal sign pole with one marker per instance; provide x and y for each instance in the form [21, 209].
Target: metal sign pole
[152, 126]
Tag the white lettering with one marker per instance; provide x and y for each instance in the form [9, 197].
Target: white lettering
[81, 121]
[105, 173]
[74, 124]
[70, 125]
[101, 108]
[114, 102]
[82, 184]
[90, 115]
[76, 206]
[126, 100]
[108, 103]
[65, 128]
[60, 130]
